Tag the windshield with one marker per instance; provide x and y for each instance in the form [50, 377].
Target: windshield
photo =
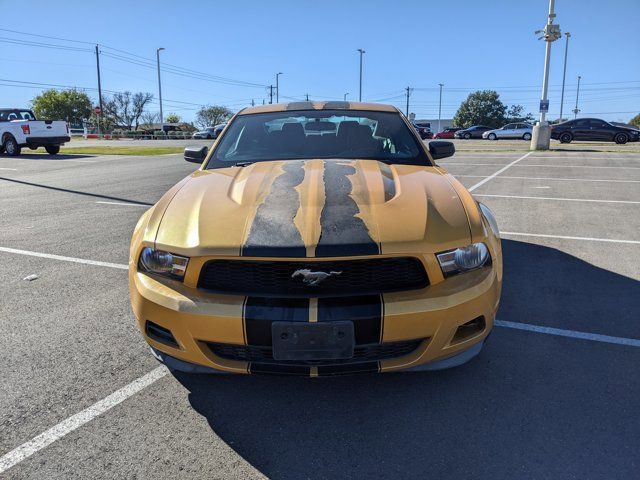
[310, 134]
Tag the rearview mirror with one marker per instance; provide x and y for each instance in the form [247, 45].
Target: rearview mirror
[195, 154]
[439, 149]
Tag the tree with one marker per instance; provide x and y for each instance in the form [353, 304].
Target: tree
[212, 115]
[126, 109]
[481, 108]
[635, 120]
[514, 114]
[70, 105]
[149, 118]
[173, 118]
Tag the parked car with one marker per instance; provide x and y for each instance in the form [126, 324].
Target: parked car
[423, 131]
[208, 132]
[447, 132]
[19, 128]
[510, 130]
[472, 132]
[593, 129]
[258, 263]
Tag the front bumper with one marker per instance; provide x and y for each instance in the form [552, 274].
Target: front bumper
[197, 320]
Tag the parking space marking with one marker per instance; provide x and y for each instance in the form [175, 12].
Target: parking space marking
[12, 169]
[123, 204]
[495, 174]
[594, 337]
[537, 165]
[74, 422]
[567, 237]
[632, 202]
[553, 178]
[64, 259]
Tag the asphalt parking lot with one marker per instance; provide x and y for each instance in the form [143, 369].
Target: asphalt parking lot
[553, 395]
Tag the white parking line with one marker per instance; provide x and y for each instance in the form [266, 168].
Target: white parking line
[64, 259]
[553, 178]
[594, 337]
[74, 422]
[567, 237]
[124, 204]
[495, 174]
[536, 166]
[558, 199]
[12, 169]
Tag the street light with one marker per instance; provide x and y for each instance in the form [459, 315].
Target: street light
[440, 106]
[345, 96]
[576, 110]
[541, 134]
[278, 86]
[564, 73]
[362, 52]
[160, 89]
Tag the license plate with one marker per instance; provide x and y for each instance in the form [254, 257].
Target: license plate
[312, 341]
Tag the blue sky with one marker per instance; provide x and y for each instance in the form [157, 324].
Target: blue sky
[465, 44]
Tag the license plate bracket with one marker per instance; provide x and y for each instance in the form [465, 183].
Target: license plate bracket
[312, 341]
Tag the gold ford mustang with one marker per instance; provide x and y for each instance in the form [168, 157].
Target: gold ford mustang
[316, 238]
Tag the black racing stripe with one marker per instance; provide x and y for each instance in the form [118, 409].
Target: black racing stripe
[260, 312]
[342, 233]
[388, 182]
[368, 367]
[365, 312]
[273, 233]
[268, 368]
[300, 106]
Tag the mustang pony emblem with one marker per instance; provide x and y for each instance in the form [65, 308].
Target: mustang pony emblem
[313, 278]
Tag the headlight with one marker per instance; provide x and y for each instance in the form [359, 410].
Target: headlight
[162, 263]
[463, 259]
[488, 214]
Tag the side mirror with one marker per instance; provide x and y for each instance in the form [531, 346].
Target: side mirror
[439, 149]
[195, 154]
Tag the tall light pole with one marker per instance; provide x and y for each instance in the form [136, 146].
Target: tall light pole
[564, 73]
[408, 95]
[158, 50]
[362, 52]
[278, 86]
[440, 106]
[541, 134]
[576, 110]
[345, 96]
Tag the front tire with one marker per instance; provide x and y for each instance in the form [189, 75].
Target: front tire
[11, 147]
[621, 139]
[565, 138]
[466, 136]
[492, 136]
[52, 149]
[526, 136]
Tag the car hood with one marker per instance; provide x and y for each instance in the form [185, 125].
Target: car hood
[314, 208]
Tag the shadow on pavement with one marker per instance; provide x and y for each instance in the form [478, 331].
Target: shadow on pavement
[47, 157]
[530, 406]
[76, 192]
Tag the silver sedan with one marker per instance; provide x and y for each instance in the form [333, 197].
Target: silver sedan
[511, 130]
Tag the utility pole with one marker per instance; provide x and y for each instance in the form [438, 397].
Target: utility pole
[278, 87]
[253, 103]
[408, 94]
[362, 52]
[158, 50]
[307, 97]
[345, 96]
[576, 110]
[440, 106]
[270, 94]
[564, 73]
[541, 134]
[99, 88]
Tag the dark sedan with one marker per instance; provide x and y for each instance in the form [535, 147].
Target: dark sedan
[472, 132]
[594, 130]
[423, 130]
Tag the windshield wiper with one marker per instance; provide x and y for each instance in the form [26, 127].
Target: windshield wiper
[243, 164]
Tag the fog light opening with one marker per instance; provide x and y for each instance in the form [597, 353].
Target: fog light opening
[160, 334]
[469, 330]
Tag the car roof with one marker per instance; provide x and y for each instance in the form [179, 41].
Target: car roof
[329, 105]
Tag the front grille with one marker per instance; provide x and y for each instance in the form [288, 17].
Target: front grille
[361, 353]
[274, 278]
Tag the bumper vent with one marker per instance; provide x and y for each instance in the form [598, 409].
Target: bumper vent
[361, 354]
[160, 334]
[275, 278]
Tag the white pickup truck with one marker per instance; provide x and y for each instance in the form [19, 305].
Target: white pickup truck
[19, 128]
